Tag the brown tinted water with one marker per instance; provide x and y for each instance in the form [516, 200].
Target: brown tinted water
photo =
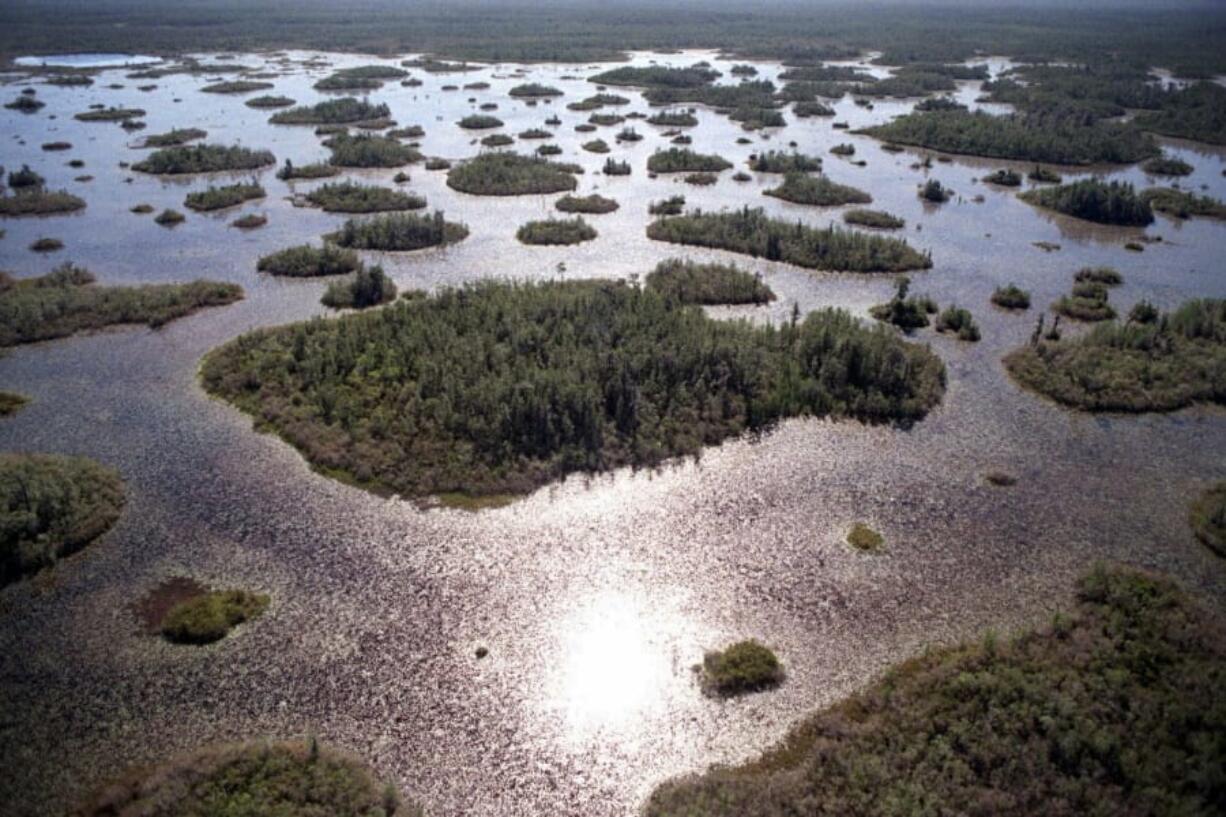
[594, 597]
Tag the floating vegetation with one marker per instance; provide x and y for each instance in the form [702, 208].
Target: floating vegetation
[671, 206]
[210, 616]
[865, 539]
[673, 119]
[11, 403]
[596, 146]
[656, 77]
[46, 245]
[905, 311]
[251, 221]
[497, 140]
[316, 170]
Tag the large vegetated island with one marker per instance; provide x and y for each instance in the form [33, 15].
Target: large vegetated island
[1114, 709]
[1056, 139]
[752, 232]
[499, 388]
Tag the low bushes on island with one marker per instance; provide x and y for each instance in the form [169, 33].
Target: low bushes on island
[478, 121]
[398, 232]
[746, 666]
[690, 282]
[31, 198]
[210, 616]
[905, 311]
[1181, 204]
[752, 232]
[876, 219]
[532, 90]
[344, 111]
[1167, 166]
[777, 161]
[315, 170]
[1011, 297]
[510, 174]
[50, 507]
[11, 403]
[236, 86]
[818, 191]
[593, 204]
[1004, 178]
[219, 198]
[671, 206]
[306, 261]
[110, 115]
[367, 287]
[173, 138]
[368, 150]
[268, 102]
[958, 321]
[553, 231]
[351, 197]
[593, 396]
[1094, 200]
[184, 159]
[683, 160]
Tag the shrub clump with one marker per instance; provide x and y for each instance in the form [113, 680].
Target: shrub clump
[534, 90]
[367, 287]
[399, 232]
[746, 666]
[752, 232]
[219, 198]
[671, 206]
[344, 111]
[683, 160]
[306, 261]
[173, 138]
[1181, 204]
[315, 170]
[351, 197]
[690, 282]
[367, 150]
[907, 312]
[510, 174]
[1094, 200]
[617, 377]
[50, 507]
[777, 161]
[959, 321]
[1208, 518]
[11, 403]
[210, 616]
[877, 219]
[1167, 166]
[183, 159]
[553, 231]
[818, 191]
[270, 101]
[1134, 671]
[1011, 297]
[865, 539]
[256, 778]
[478, 121]
[110, 115]
[595, 203]
[237, 86]
[1004, 178]
[1160, 365]
[65, 302]
[37, 201]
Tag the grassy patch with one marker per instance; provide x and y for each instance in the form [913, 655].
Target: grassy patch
[618, 376]
[1113, 709]
[690, 282]
[1208, 518]
[50, 507]
[743, 667]
[65, 302]
[1161, 365]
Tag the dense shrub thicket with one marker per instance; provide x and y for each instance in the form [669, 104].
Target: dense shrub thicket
[352, 197]
[219, 198]
[398, 232]
[343, 111]
[819, 191]
[368, 150]
[367, 287]
[502, 387]
[691, 282]
[510, 174]
[684, 160]
[182, 159]
[553, 231]
[778, 161]
[1094, 200]
[656, 76]
[305, 261]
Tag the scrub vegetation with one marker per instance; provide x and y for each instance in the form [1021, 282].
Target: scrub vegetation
[183, 159]
[398, 232]
[211, 616]
[684, 160]
[593, 204]
[1094, 200]
[819, 191]
[1182, 205]
[743, 667]
[1208, 518]
[556, 231]
[877, 219]
[367, 287]
[616, 376]
[344, 111]
[306, 261]
[510, 174]
[219, 198]
[368, 150]
[691, 282]
[351, 197]
[50, 507]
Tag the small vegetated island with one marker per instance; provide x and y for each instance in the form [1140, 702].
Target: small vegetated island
[345, 111]
[30, 197]
[752, 232]
[171, 138]
[532, 90]
[1208, 518]
[306, 261]
[351, 197]
[556, 231]
[368, 150]
[237, 86]
[1181, 204]
[511, 386]
[1023, 137]
[511, 174]
[50, 507]
[219, 198]
[360, 78]
[211, 615]
[398, 232]
[777, 161]
[595, 203]
[1131, 671]
[1148, 363]
[257, 778]
[66, 301]
[819, 191]
[11, 403]
[656, 77]
[1094, 200]
[185, 159]
[691, 282]
[684, 160]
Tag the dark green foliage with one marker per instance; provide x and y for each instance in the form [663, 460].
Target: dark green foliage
[612, 167]
[777, 161]
[510, 174]
[905, 312]
[605, 120]
[25, 104]
[683, 160]
[673, 119]
[347, 80]
[343, 111]
[256, 779]
[1011, 297]
[1004, 177]
[656, 77]
[64, 302]
[497, 140]
[218, 198]
[169, 218]
[1167, 166]
[181, 159]
[844, 149]
[351, 197]
[54, 146]
[757, 118]
[367, 287]
[1033, 138]
[933, 191]
[264, 102]
[759, 94]
[865, 539]
[1107, 276]
[700, 179]
[1088, 301]
[873, 218]
[317, 170]
[825, 73]
[238, 86]
[1162, 365]
[690, 282]
[806, 109]
[959, 321]
[250, 221]
[24, 178]
[1143, 312]
[1197, 112]
[1088, 91]
[939, 103]
[1112, 710]
[110, 115]
[909, 81]
[11, 403]
[819, 191]
[501, 387]
[746, 666]
[1044, 175]
[306, 261]
[399, 232]
[46, 245]
[596, 101]
[596, 146]
[479, 121]
[210, 616]
[535, 133]
[671, 206]
[556, 231]
[1094, 200]
[1180, 204]
[51, 506]
[39, 202]
[172, 138]
[595, 203]
[752, 232]
[1208, 518]
[533, 90]
[368, 150]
